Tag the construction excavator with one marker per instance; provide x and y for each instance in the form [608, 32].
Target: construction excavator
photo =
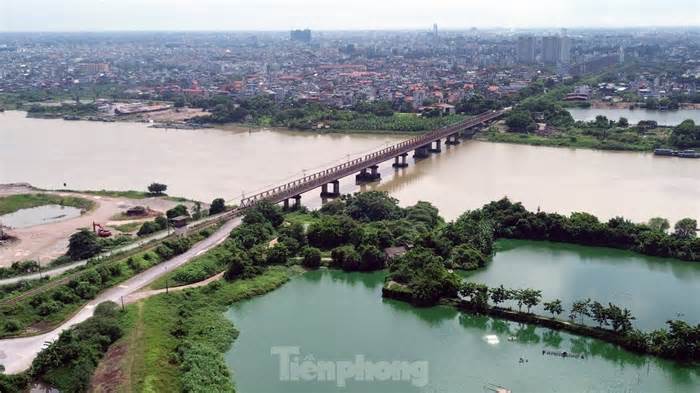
[100, 230]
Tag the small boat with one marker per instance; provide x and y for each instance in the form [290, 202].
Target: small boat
[496, 388]
[688, 154]
[664, 152]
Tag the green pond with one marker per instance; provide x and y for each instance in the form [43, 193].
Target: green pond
[329, 331]
[654, 289]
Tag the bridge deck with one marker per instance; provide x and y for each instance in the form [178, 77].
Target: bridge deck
[318, 179]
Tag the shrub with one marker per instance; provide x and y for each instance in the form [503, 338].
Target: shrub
[278, 255]
[311, 258]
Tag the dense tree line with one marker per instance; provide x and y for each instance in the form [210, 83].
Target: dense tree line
[512, 220]
[365, 115]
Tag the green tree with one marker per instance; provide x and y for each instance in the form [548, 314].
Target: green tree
[278, 255]
[217, 206]
[685, 135]
[372, 206]
[467, 257]
[476, 293]
[623, 122]
[520, 121]
[311, 258]
[83, 245]
[157, 188]
[620, 319]
[554, 307]
[500, 295]
[686, 228]
[599, 314]
[659, 224]
[531, 298]
[580, 309]
[177, 211]
[371, 258]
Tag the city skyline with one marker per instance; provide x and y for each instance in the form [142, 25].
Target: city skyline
[278, 15]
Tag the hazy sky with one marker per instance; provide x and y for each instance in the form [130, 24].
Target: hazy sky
[99, 15]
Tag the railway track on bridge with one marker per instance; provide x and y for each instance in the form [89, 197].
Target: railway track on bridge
[318, 179]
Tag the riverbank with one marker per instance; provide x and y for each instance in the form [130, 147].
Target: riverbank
[578, 140]
[167, 324]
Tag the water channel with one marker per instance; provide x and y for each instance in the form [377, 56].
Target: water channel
[666, 118]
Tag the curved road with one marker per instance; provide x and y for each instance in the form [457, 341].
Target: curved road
[17, 354]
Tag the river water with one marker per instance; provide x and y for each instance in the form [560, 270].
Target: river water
[332, 317]
[666, 118]
[205, 164]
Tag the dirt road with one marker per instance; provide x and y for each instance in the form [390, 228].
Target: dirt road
[49, 241]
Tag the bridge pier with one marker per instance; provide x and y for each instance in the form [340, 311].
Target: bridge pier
[365, 177]
[452, 139]
[332, 194]
[295, 206]
[297, 202]
[422, 152]
[403, 163]
[437, 148]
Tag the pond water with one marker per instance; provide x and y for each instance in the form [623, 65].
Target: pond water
[45, 214]
[654, 289]
[666, 118]
[331, 318]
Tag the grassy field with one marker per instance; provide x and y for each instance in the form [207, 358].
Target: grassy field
[150, 355]
[13, 203]
[130, 227]
[200, 268]
[580, 140]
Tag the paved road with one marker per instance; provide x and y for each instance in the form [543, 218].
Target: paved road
[16, 354]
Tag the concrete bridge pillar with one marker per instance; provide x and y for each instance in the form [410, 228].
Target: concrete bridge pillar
[403, 163]
[437, 148]
[366, 177]
[297, 202]
[452, 139]
[422, 152]
[331, 194]
[336, 187]
[286, 204]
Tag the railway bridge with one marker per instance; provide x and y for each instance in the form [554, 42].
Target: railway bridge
[366, 168]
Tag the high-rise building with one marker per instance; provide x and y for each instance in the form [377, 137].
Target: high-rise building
[551, 49]
[565, 50]
[300, 35]
[526, 49]
[621, 55]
